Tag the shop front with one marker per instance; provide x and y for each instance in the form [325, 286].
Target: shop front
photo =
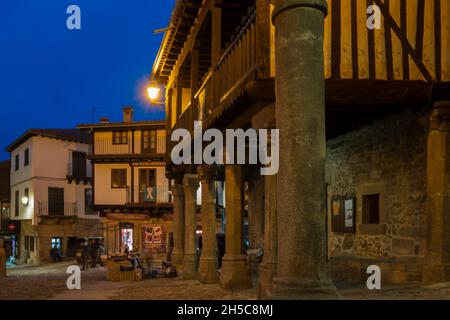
[10, 234]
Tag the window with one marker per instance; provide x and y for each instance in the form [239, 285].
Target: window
[149, 141]
[371, 209]
[29, 243]
[118, 178]
[147, 185]
[16, 203]
[120, 137]
[88, 202]
[56, 201]
[26, 195]
[79, 165]
[17, 162]
[26, 159]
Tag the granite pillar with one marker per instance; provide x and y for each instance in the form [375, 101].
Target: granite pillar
[302, 271]
[208, 267]
[268, 266]
[189, 270]
[178, 224]
[437, 258]
[234, 274]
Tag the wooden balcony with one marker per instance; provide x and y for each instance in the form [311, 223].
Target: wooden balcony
[78, 172]
[57, 210]
[139, 200]
[369, 74]
[105, 148]
[139, 196]
[226, 82]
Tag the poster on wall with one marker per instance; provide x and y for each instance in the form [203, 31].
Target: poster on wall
[343, 214]
[148, 194]
[154, 238]
[349, 213]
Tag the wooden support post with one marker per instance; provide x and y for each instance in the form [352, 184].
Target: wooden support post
[179, 96]
[216, 51]
[194, 81]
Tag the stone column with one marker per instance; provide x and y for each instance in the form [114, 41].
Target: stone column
[234, 274]
[437, 258]
[189, 271]
[300, 112]
[208, 260]
[178, 224]
[267, 268]
[255, 209]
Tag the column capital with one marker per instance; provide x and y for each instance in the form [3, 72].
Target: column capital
[440, 116]
[207, 172]
[190, 182]
[284, 5]
[177, 190]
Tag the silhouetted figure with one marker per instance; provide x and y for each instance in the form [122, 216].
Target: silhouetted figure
[84, 256]
[55, 254]
[93, 253]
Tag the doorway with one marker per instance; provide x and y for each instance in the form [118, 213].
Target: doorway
[126, 237]
[56, 201]
[56, 243]
[147, 185]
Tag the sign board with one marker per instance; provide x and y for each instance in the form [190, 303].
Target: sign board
[154, 238]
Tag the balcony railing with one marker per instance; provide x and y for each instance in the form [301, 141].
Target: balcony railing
[236, 63]
[105, 146]
[66, 209]
[235, 67]
[148, 196]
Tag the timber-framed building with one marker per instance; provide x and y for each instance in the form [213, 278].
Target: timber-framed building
[363, 116]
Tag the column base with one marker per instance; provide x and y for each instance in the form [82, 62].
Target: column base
[207, 271]
[435, 274]
[189, 269]
[266, 273]
[294, 289]
[234, 274]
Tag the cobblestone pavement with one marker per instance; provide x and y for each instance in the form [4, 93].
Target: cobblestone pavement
[49, 282]
[413, 291]
[40, 282]
[176, 289]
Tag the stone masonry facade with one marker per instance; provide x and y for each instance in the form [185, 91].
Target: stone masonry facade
[386, 158]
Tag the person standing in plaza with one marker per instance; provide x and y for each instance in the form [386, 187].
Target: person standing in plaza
[93, 253]
[84, 255]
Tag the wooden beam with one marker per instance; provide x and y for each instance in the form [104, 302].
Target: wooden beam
[263, 38]
[190, 41]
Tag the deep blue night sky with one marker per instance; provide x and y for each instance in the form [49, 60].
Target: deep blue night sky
[52, 77]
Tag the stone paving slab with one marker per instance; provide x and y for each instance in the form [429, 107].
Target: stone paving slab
[49, 282]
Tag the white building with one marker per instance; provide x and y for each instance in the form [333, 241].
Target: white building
[51, 192]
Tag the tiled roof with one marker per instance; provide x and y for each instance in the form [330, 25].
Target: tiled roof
[123, 124]
[75, 135]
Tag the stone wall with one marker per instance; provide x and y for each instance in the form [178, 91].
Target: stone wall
[386, 158]
[64, 229]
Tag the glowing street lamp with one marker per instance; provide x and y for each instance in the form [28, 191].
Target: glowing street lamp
[25, 201]
[153, 92]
